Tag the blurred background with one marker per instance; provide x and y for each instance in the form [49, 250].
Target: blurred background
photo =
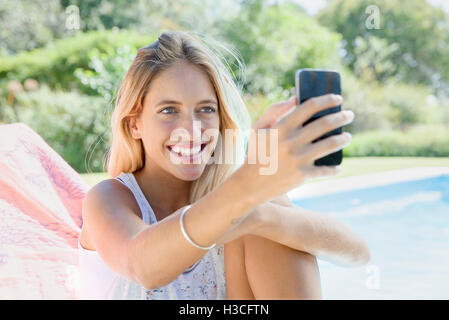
[61, 62]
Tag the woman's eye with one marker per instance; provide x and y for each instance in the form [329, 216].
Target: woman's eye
[168, 108]
[210, 109]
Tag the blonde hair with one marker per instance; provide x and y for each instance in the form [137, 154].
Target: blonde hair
[126, 154]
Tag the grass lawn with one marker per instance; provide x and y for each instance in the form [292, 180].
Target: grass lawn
[351, 166]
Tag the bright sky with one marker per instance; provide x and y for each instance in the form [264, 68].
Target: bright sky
[443, 4]
[313, 6]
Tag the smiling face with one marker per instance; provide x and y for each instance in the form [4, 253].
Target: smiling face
[179, 122]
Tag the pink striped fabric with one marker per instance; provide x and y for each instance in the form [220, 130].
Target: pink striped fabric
[40, 218]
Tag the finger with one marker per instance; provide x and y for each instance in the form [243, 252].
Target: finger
[321, 171]
[307, 109]
[287, 107]
[319, 149]
[322, 126]
[274, 113]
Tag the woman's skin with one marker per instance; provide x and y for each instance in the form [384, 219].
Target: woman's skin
[258, 267]
[273, 230]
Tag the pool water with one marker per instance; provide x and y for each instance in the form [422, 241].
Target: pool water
[406, 226]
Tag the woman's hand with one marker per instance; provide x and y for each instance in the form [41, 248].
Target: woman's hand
[290, 146]
[274, 113]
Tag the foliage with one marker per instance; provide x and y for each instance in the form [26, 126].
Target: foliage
[28, 24]
[103, 15]
[367, 101]
[417, 141]
[419, 32]
[410, 105]
[275, 41]
[56, 63]
[393, 78]
[73, 125]
[145, 15]
[374, 59]
[392, 105]
[106, 70]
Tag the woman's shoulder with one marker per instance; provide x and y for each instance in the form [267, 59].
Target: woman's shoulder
[110, 193]
[107, 202]
[110, 185]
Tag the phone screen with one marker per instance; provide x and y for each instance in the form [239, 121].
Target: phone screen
[312, 83]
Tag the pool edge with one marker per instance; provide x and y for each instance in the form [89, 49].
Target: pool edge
[365, 181]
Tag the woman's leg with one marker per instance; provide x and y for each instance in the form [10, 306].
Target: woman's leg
[258, 268]
[275, 271]
[237, 285]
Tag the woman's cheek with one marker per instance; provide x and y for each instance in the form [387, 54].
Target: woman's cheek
[163, 129]
[212, 122]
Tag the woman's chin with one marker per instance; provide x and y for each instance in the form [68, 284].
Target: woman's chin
[189, 172]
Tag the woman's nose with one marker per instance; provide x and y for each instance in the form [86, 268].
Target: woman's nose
[192, 126]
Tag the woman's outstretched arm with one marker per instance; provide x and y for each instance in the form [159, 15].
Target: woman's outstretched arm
[316, 233]
[304, 230]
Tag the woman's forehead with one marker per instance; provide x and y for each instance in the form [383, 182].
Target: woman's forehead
[182, 83]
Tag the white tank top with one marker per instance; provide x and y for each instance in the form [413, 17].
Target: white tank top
[203, 280]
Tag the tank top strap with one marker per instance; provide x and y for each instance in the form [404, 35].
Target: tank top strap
[128, 179]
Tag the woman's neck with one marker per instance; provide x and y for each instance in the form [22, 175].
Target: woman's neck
[165, 192]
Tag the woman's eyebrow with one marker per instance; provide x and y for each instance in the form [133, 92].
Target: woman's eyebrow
[177, 102]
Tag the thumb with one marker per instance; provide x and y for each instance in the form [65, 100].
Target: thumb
[274, 113]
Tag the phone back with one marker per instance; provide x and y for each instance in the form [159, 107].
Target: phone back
[312, 83]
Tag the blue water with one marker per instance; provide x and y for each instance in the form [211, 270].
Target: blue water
[406, 226]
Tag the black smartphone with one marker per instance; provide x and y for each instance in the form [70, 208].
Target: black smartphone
[312, 83]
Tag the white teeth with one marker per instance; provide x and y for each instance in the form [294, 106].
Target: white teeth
[186, 152]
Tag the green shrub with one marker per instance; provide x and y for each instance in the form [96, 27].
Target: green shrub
[56, 63]
[409, 105]
[367, 101]
[74, 125]
[390, 105]
[106, 71]
[417, 141]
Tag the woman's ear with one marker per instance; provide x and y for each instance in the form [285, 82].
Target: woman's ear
[134, 128]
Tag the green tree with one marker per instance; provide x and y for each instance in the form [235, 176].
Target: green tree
[29, 24]
[374, 59]
[106, 70]
[275, 41]
[419, 32]
[145, 15]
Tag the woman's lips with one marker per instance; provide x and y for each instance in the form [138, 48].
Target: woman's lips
[187, 145]
[184, 157]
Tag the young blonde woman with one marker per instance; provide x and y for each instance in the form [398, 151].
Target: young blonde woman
[172, 224]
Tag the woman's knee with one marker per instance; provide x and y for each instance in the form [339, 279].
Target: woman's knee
[237, 286]
[276, 271]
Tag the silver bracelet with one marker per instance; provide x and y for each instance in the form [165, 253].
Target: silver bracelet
[185, 233]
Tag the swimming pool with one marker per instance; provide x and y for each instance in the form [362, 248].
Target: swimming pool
[406, 225]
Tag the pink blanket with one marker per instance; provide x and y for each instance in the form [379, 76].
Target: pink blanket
[40, 218]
